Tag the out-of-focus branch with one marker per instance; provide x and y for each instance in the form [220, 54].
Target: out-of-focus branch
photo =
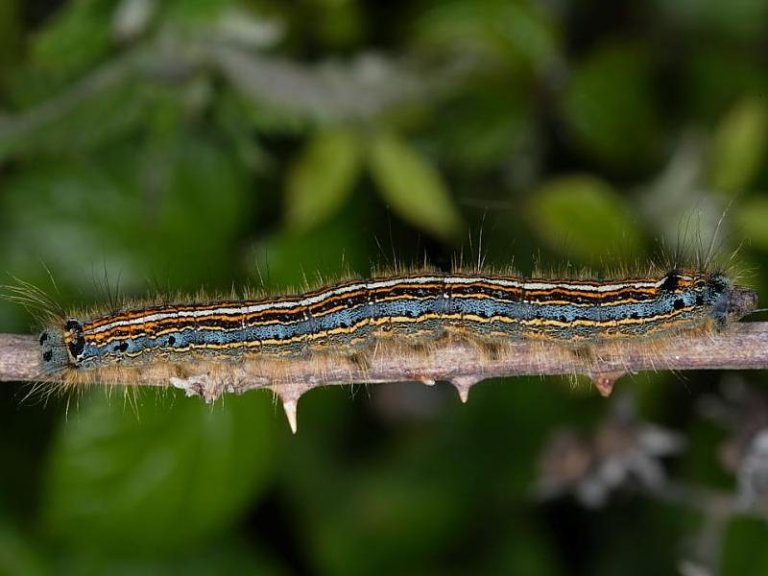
[357, 89]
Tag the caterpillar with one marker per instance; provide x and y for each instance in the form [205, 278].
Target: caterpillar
[358, 319]
[421, 308]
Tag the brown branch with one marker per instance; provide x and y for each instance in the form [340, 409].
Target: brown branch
[19, 357]
[743, 346]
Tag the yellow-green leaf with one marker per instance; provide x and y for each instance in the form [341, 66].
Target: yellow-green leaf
[322, 178]
[586, 219]
[413, 187]
[609, 104]
[750, 216]
[738, 149]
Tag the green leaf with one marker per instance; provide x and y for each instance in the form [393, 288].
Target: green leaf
[378, 514]
[706, 93]
[338, 24]
[125, 203]
[322, 177]
[742, 21]
[496, 117]
[609, 104]
[226, 556]
[584, 218]
[500, 30]
[202, 204]
[415, 495]
[322, 255]
[743, 548]
[750, 217]
[162, 475]
[184, 13]
[413, 187]
[19, 554]
[80, 117]
[74, 39]
[10, 33]
[738, 149]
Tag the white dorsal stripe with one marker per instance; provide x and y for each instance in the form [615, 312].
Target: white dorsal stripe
[291, 302]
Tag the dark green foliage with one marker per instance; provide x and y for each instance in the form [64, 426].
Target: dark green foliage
[165, 146]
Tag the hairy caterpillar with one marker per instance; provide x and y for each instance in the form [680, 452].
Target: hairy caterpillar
[416, 307]
[358, 319]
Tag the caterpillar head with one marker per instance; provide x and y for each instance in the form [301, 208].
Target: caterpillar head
[61, 349]
[732, 302]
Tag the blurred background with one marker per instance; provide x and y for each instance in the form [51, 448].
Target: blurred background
[169, 146]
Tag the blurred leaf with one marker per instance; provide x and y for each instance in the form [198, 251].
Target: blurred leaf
[231, 119]
[76, 38]
[49, 213]
[739, 145]
[526, 548]
[18, 553]
[183, 12]
[322, 178]
[122, 204]
[699, 461]
[323, 254]
[197, 228]
[743, 551]
[489, 121]
[741, 20]
[161, 475]
[412, 186]
[365, 511]
[750, 217]
[501, 30]
[337, 23]
[219, 557]
[417, 492]
[583, 217]
[80, 117]
[378, 513]
[707, 97]
[609, 104]
[10, 35]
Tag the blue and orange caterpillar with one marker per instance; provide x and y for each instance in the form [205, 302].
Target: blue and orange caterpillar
[354, 317]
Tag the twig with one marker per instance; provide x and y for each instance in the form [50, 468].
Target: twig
[356, 90]
[19, 357]
[743, 346]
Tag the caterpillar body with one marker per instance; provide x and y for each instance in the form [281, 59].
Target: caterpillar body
[353, 316]
[216, 346]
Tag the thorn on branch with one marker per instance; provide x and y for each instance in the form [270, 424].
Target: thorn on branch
[463, 385]
[605, 381]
